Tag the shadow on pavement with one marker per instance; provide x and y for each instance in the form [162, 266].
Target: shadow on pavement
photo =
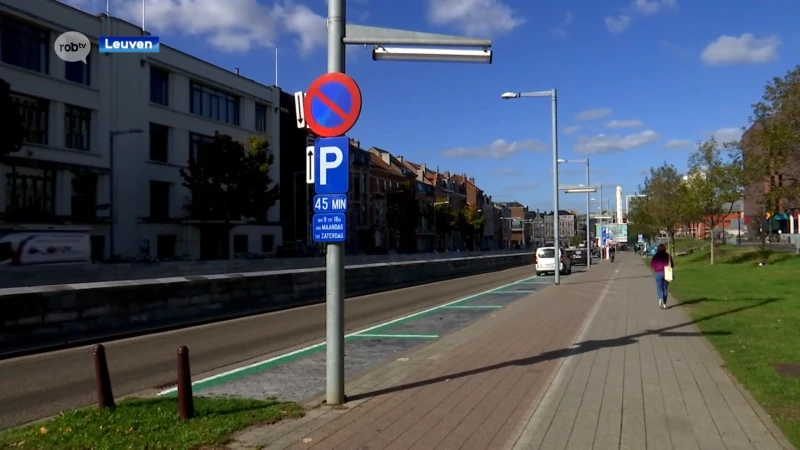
[579, 348]
[605, 280]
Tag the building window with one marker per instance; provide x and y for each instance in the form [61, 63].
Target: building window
[267, 243]
[34, 112]
[30, 193]
[166, 245]
[159, 142]
[214, 104]
[159, 199]
[77, 125]
[198, 145]
[240, 243]
[23, 45]
[261, 118]
[84, 196]
[78, 71]
[159, 86]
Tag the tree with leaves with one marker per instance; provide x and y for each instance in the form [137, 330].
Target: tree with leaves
[714, 183]
[403, 215]
[474, 222]
[663, 189]
[229, 182]
[13, 126]
[771, 148]
[445, 218]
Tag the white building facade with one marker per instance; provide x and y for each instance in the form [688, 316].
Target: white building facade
[171, 102]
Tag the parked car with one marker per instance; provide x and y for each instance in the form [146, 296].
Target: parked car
[578, 256]
[546, 261]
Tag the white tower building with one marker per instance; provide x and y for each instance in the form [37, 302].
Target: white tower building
[619, 204]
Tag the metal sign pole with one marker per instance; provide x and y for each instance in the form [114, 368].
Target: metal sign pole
[334, 258]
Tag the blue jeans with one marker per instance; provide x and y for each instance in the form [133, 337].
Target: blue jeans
[662, 287]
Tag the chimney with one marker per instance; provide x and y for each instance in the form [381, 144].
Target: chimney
[447, 174]
[400, 158]
[472, 180]
[237, 71]
[423, 167]
[355, 142]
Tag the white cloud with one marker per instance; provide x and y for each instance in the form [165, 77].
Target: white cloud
[624, 124]
[652, 7]
[677, 144]
[592, 114]
[618, 24]
[521, 187]
[571, 129]
[235, 26]
[724, 135]
[745, 49]
[474, 17]
[507, 172]
[562, 30]
[614, 143]
[498, 149]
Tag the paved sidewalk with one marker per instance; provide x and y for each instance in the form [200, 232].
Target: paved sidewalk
[590, 364]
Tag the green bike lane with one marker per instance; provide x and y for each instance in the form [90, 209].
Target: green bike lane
[300, 374]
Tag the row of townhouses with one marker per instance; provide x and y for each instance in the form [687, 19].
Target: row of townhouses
[110, 138]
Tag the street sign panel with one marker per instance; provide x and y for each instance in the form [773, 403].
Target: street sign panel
[299, 112]
[332, 165]
[310, 165]
[330, 203]
[330, 227]
[332, 105]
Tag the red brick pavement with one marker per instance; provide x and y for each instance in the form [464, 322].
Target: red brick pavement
[472, 389]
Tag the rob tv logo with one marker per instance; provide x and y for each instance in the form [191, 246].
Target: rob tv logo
[129, 44]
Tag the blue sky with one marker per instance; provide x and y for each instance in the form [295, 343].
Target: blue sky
[639, 81]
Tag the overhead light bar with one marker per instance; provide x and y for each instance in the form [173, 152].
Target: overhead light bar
[432, 55]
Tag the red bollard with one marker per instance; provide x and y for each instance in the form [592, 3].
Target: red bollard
[185, 401]
[105, 398]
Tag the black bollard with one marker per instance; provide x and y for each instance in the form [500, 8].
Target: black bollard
[105, 397]
[185, 401]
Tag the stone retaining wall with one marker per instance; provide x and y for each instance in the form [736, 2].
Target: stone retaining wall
[44, 316]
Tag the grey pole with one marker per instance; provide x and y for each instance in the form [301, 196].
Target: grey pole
[556, 246]
[588, 222]
[334, 258]
[111, 194]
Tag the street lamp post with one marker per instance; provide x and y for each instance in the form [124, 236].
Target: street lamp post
[588, 210]
[554, 101]
[111, 136]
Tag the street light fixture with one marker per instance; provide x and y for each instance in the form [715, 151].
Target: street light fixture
[111, 136]
[554, 102]
[381, 53]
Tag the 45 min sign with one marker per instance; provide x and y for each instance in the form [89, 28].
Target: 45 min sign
[330, 203]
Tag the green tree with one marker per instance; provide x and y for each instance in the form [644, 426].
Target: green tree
[445, 219]
[229, 182]
[403, 215]
[13, 132]
[771, 148]
[714, 183]
[663, 189]
[575, 241]
[474, 222]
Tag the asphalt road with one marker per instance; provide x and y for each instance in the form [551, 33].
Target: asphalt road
[38, 386]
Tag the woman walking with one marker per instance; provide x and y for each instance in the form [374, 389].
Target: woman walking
[662, 265]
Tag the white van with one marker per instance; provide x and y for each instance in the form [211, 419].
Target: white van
[546, 261]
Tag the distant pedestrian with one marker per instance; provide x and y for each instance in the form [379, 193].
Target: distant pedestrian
[662, 265]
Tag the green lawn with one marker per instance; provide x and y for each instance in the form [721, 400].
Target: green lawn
[148, 424]
[760, 307]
